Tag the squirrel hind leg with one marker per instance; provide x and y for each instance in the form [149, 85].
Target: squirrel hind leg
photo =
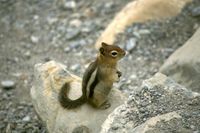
[98, 100]
[105, 105]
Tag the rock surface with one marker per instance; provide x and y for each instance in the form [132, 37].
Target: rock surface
[184, 64]
[49, 78]
[196, 12]
[7, 84]
[159, 106]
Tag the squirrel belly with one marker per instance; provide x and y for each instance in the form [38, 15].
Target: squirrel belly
[66, 102]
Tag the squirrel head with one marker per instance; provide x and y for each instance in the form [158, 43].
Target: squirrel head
[111, 52]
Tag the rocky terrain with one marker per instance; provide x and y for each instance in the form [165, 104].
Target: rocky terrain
[159, 106]
[33, 31]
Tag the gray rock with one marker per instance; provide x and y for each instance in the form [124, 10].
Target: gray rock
[76, 44]
[52, 20]
[75, 67]
[26, 119]
[71, 5]
[72, 33]
[49, 78]
[131, 44]
[110, 4]
[167, 108]
[75, 22]
[150, 124]
[67, 49]
[144, 31]
[27, 54]
[8, 84]
[184, 64]
[46, 59]
[108, 7]
[89, 26]
[8, 129]
[34, 39]
[196, 12]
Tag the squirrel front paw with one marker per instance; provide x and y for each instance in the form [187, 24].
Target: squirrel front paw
[119, 74]
[105, 105]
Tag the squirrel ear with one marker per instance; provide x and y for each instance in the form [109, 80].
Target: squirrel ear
[104, 44]
[101, 50]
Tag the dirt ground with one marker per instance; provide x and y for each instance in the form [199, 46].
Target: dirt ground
[34, 31]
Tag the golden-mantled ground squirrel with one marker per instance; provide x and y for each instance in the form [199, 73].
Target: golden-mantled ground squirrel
[97, 80]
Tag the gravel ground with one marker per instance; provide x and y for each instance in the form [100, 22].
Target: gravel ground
[34, 31]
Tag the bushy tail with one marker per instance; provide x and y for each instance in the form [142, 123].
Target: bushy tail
[68, 103]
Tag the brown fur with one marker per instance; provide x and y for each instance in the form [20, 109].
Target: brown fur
[106, 74]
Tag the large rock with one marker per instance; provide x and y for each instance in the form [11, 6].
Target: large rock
[140, 11]
[184, 64]
[159, 106]
[49, 78]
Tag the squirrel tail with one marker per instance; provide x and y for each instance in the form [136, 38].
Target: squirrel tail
[68, 103]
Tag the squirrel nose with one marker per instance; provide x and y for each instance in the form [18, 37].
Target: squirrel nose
[124, 53]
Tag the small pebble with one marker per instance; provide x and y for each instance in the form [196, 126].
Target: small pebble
[75, 22]
[144, 32]
[130, 45]
[8, 84]
[109, 4]
[8, 130]
[16, 59]
[28, 54]
[86, 30]
[89, 12]
[52, 20]
[137, 35]
[7, 96]
[34, 39]
[46, 59]
[196, 12]
[75, 67]
[72, 33]
[196, 26]
[89, 26]
[108, 7]
[67, 49]
[115, 127]
[192, 126]
[26, 45]
[133, 76]
[36, 17]
[70, 5]
[26, 119]
[76, 44]
[123, 121]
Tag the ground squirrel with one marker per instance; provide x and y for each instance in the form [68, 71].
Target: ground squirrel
[97, 80]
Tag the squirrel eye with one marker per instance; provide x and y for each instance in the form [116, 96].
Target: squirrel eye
[114, 53]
